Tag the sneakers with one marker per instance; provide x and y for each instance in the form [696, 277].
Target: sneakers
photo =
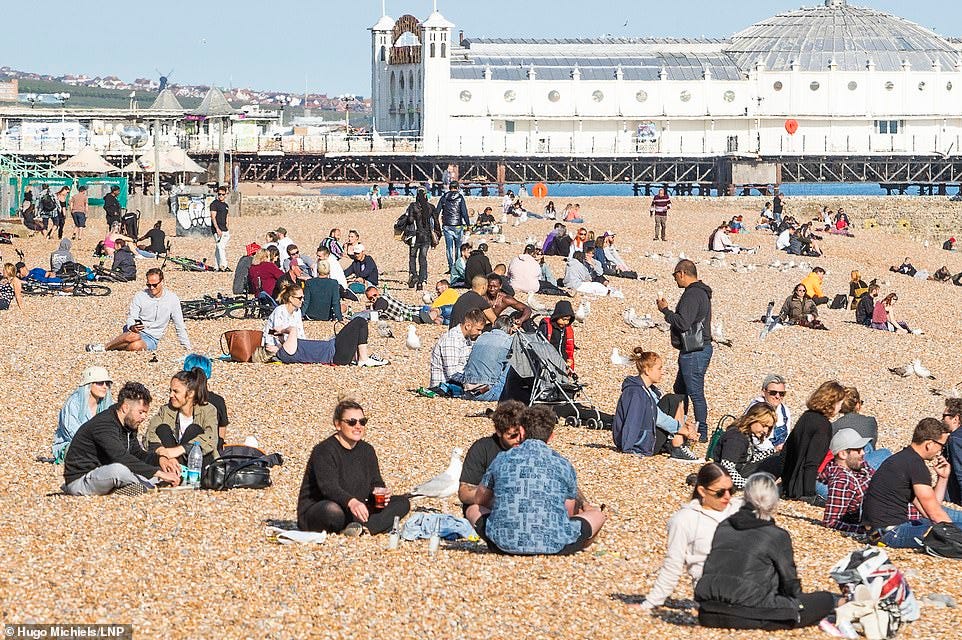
[815, 500]
[684, 454]
[373, 361]
[132, 489]
[353, 530]
[94, 348]
[702, 437]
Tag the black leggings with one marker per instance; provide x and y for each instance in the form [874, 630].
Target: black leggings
[328, 515]
[418, 262]
[347, 340]
[812, 608]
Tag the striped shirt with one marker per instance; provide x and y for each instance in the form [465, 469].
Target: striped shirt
[660, 205]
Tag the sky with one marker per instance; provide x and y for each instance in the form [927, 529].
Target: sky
[324, 45]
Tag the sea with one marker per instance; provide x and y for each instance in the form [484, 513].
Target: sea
[576, 190]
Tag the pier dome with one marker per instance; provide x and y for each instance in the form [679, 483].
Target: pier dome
[814, 37]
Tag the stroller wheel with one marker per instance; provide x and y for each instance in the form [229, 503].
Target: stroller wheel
[571, 421]
[591, 423]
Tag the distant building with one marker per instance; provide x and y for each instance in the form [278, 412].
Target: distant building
[9, 91]
[832, 79]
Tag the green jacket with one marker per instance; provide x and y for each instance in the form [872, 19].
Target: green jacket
[205, 415]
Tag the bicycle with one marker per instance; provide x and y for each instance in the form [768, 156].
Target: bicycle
[187, 264]
[206, 308]
[243, 308]
[76, 286]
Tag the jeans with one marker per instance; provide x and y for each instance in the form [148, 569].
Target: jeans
[904, 536]
[491, 395]
[418, 262]
[220, 253]
[103, 480]
[690, 381]
[452, 244]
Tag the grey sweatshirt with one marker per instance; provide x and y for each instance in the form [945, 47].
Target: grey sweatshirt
[156, 314]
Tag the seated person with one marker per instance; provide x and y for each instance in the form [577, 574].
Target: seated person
[501, 269]
[485, 223]
[457, 272]
[198, 361]
[362, 268]
[572, 214]
[749, 579]
[341, 478]
[900, 503]
[800, 310]
[508, 434]
[150, 312]
[808, 442]
[856, 289]
[851, 418]
[866, 306]
[560, 245]
[450, 354]
[293, 275]
[487, 365]
[952, 418]
[647, 422]
[284, 336]
[525, 502]
[477, 263]
[158, 242]
[941, 275]
[322, 296]
[813, 286]
[906, 268]
[719, 240]
[334, 269]
[188, 417]
[124, 264]
[613, 262]
[390, 308]
[305, 265]
[783, 241]
[37, 274]
[739, 451]
[578, 277]
[846, 477]
[61, 256]
[883, 316]
[559, 332]
[559, 230]
[332, 243]
[444, 299]
[263, 274]
[524, 272]
[735, 225]
[501, 301]
[773, 394]
[949, 245]
[473, 299]
[86, 401]
[105, 454]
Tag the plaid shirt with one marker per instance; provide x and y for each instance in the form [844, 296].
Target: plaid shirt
[397, 310]
[449, 356]
[846, 489]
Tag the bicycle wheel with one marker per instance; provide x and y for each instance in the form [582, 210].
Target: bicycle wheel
[240, 311]
[89, 289]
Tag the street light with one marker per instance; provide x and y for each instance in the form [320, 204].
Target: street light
[347, 99]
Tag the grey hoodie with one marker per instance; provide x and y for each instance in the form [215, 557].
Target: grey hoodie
[61, 255]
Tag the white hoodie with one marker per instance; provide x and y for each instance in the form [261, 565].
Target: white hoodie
[690, 532]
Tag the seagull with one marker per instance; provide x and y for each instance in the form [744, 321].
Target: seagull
[682, 256]
[920, 370]
[617, 359]
[628, 315]
[718, 333]
[582, 311]
[948, 393]
[427, 298]
[384, 329]
[413, 342]
[905, 371]
[537, 305]
[446, 484]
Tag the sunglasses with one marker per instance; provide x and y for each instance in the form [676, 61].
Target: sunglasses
[352, 422]
[719, 493]
[780, 394]
[297, 297]
[294, 253]
[948, 415]
[106, 383]
[153, 285]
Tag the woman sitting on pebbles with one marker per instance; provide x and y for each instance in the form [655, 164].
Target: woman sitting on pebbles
[799, 309]
[87, 400]
[739, 450]
[883, 316]
[187, 417]
[342, 489]
[690, 532]
[284, 336]
[808, 443]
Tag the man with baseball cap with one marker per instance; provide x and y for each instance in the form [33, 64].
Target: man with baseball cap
[362, 269]
[847, 477]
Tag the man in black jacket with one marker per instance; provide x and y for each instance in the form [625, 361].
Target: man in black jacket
[112, 206]
[866, 306]
[691, 316]
[123, 264]
[105, 454]
[477, 263]
[453, 210]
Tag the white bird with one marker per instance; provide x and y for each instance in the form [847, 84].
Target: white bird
[413, 342]
[537, 305]
[530, 240]
[582, 311]
[384, 329]
[617, 359]
[628, 315]
[445, 484]
[682, 256]
[775, 264]
[920, 370]
[948, 393]
[500, 239]
[905, 372]
[427, 297]
[718, 333]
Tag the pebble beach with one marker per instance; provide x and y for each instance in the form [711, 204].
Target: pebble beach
[190, 564]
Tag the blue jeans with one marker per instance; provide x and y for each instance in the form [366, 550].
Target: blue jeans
[904, 536]
[690, 381]
[452, 244]
[491, 395]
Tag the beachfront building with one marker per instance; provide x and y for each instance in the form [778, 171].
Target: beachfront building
[832, 79]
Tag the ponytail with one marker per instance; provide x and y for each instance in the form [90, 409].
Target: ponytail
[196, 381]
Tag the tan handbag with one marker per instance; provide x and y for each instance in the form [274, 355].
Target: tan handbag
[241, 344]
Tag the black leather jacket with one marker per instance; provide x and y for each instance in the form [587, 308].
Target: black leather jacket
[453, 209]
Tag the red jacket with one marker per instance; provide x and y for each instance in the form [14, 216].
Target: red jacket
[567, 342]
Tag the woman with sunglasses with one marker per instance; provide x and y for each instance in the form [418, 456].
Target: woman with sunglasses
[87, 400]
[284, 336]
[342, 476]
[741, 448]
[799, 309]
[690, 531]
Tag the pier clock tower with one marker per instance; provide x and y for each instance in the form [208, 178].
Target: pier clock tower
[436, 75]
[380, 72]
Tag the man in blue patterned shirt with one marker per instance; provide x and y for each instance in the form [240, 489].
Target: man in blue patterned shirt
[525, 504]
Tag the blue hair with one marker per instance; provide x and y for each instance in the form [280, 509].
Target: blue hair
[198, 361]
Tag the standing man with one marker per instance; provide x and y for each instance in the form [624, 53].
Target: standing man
[453, 210]
[78, 211]
[112, 206]
[660, 205]
[218, 224]
[952, 419]
[691, 334]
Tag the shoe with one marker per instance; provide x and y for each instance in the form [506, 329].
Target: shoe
[132, 489]
[373, 361]
[411, 282]
[702, 437]
[353, 530]
[94, 348]
[815, 501]
[227, 269]
[684, 454]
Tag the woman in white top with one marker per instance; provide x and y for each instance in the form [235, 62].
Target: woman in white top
[187, 417]
[690, 532]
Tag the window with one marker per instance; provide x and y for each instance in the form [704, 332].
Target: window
[814, 86]
[887, 126]
[383, 53]
[509, 126]
[728, 96]
[509, 96]
[444, 50]
[598, 96]
[889, 85]
[465, 96]
[922, 86]
[554, 96]
[852, 86]
[432, 50]
[641, 96]
[685, 96]
[778, 86]
[948, 86]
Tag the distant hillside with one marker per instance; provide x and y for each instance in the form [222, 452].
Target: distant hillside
[95, 97]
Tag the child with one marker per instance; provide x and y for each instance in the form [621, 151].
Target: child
[559, 332]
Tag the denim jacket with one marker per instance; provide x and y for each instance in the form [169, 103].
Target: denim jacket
[488, 359]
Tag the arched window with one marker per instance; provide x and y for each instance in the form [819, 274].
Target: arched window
[432, 49]
[411, 86]
[393, 86]
[402, 84]
[383, 53]
[444, 50]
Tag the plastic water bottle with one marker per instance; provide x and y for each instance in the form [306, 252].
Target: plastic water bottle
[435, 538]
[194, 462]
[395, 538]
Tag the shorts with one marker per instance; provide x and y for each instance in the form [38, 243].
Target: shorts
[79, 219]
[148, 339]
[567, 550]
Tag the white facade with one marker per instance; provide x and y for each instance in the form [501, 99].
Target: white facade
[854, 80]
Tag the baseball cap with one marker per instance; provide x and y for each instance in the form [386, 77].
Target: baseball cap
[847, 439]
[95, 374]
[358, 248]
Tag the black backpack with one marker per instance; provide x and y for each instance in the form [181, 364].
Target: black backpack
[240, 467]
[943, 540]
[840, 301]
[47, 203]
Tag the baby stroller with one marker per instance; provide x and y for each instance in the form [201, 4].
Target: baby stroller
[533, 361]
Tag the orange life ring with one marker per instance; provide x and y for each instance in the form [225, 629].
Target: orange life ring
[539, 190]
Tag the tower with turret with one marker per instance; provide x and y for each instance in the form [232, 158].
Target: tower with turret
[436, 75]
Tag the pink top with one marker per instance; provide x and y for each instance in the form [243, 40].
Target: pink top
[109, 242]
[880, 314]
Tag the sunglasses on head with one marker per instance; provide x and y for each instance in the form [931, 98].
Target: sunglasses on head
[718, 493]
[780, 394]
[352, 422]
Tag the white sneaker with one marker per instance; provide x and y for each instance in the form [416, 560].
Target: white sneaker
[94, 348]
[373, 361]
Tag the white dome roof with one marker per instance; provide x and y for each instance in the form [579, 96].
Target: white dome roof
[437, 21]
[386, 23]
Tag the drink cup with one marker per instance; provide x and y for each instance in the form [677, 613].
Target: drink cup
[374, 316]
[381, 495]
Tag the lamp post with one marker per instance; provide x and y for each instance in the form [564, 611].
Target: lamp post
[133, 135]
[347, 99]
